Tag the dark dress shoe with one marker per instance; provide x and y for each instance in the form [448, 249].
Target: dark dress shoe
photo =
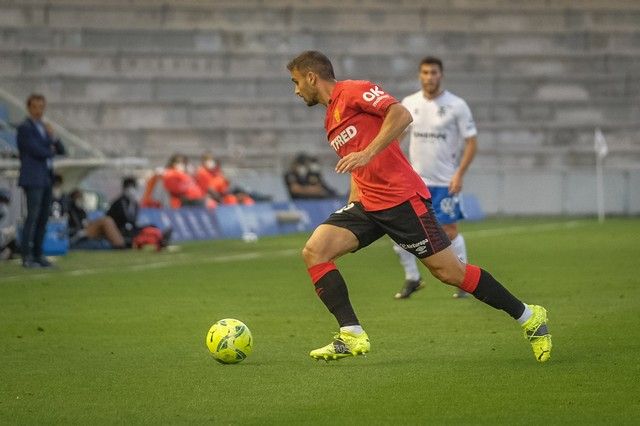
[43, 262]
[30, 264]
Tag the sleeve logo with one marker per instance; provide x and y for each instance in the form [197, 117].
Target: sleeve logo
[373, 93]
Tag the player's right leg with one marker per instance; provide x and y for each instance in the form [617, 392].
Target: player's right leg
[345, 231]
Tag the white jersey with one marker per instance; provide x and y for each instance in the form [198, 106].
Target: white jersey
[438, 132]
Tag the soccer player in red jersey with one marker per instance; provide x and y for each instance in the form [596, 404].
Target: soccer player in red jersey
[387, 197]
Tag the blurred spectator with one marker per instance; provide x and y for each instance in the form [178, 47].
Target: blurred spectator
[124, 212]
[7, 230]
[315, 176]
[60, 200]
[182, 187]
[213, 182]
[37, 145]
[149, 194]
[81, 229]
[304, 179]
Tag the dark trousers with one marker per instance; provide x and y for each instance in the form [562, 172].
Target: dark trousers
[35, 225]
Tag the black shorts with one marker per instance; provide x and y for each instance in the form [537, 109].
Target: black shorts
[412, 224]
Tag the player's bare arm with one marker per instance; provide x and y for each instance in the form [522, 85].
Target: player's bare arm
[395, 122]
[471, 146]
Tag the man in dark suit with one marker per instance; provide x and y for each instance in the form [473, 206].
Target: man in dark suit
[37, 144]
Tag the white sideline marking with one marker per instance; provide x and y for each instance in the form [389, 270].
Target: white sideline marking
[157, 265]
[520, 229]
[508, 230]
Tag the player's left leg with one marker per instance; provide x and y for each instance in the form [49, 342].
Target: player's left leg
[413, 225]
[483, 286]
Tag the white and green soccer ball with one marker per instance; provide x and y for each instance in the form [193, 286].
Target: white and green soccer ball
[229, 341]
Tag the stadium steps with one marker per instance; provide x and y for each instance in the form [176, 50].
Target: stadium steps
[403, 40]
[297, 15]
[282, 112]
[144, 77]
[81, 62]
[176, 89]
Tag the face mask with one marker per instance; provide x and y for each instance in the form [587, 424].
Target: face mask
[314, 167]
[210, 164]
[131, 193]
[302, 170]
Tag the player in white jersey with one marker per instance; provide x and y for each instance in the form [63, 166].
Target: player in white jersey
[442, 145]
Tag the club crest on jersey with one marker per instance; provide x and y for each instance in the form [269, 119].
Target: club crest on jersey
[343, 137]
[336, 115]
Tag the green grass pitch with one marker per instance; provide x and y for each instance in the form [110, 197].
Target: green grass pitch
[118, 337]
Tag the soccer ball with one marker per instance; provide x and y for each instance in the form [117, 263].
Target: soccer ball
[229, 341]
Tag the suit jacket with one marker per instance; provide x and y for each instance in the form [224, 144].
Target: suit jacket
[124, 213]
[36, 153]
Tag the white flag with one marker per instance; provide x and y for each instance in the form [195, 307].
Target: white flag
[600, 144]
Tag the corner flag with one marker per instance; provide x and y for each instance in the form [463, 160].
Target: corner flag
[601, 148]
[600, 144]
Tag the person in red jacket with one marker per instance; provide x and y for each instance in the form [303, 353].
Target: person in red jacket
[182, 187]
[213, 182]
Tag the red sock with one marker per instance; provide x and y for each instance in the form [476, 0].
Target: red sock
[471, 278]
[332, 290]
[318, 271]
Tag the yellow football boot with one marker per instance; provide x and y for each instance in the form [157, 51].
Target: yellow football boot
[344, 344]
[537, 333]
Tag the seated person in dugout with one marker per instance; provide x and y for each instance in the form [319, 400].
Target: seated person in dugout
[124, 212]
[81, 229]
[304, 180]
[182, 187]
[60, 200]
[213, 182]
[8, 244]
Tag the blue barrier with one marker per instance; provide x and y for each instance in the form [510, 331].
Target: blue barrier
[194, 223]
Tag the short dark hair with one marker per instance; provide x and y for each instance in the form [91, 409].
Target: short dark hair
[129, 181]
[175, 159]
[432, 60]
[312, 60]
[35, 97]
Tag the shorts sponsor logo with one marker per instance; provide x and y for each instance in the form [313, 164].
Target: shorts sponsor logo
[343, 137]
[420, 246]
[347, 207]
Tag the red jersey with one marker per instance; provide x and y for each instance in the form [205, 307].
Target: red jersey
[182, 185]
[212, 180]
[354, 116]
